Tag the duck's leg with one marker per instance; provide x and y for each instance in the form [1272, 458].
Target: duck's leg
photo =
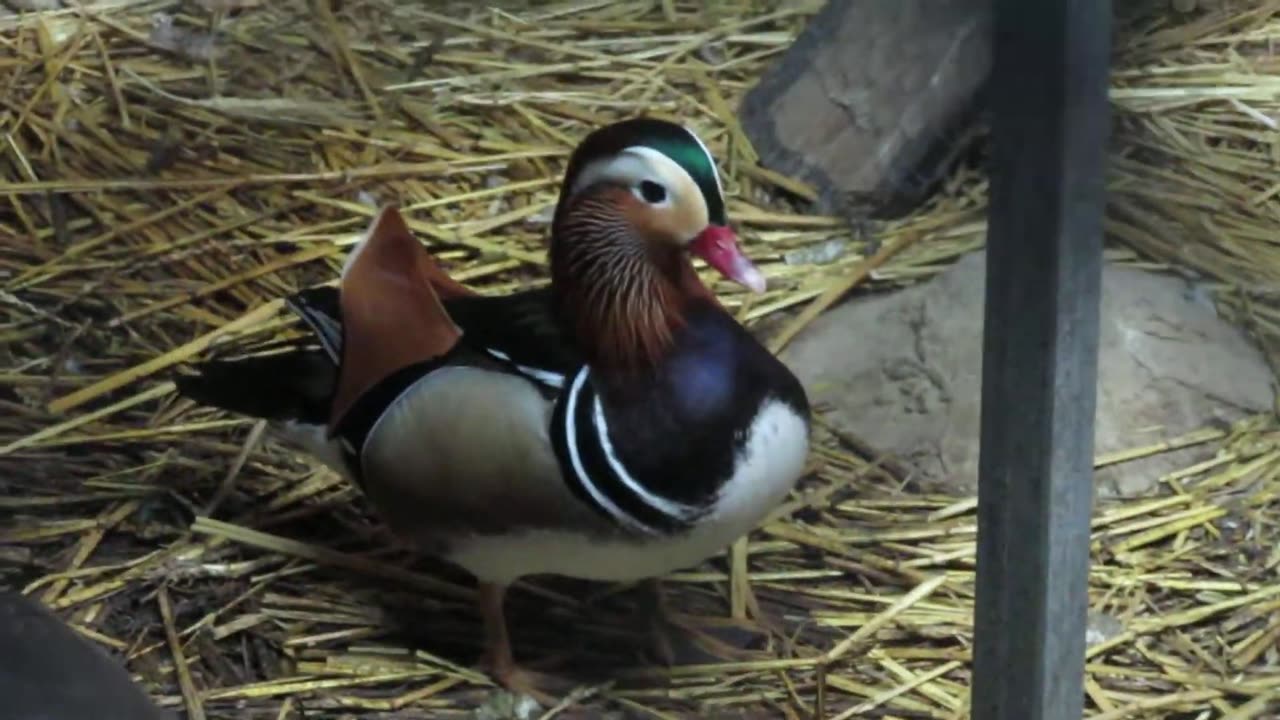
[498, 657]
[697, 645]
[661, 625]
[497, 643]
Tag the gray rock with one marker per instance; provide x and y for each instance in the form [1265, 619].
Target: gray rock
[902, 372]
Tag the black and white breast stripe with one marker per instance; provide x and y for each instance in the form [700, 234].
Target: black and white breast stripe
[595, 473]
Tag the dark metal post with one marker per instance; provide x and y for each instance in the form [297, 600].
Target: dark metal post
[1044, 261]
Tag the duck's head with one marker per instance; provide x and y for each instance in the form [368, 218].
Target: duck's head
[638, 198]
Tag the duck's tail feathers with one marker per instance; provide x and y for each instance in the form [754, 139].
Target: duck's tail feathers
[296, 385]
[321, 309]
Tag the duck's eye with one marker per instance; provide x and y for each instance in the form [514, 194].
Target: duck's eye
[652, 192]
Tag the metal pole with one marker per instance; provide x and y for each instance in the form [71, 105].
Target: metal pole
[1044, 260]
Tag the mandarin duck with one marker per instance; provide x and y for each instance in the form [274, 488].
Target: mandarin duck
[616, 425]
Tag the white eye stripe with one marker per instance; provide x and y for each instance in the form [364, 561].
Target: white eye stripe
[639, 162]
[715, 171]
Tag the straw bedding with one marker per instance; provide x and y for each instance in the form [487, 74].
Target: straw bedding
[172, 167]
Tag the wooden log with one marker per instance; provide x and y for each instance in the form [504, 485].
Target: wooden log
[874, 101]
[1050, 131]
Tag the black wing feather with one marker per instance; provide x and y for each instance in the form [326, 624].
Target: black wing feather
[521, 326]
[294, 385]
[297, 383]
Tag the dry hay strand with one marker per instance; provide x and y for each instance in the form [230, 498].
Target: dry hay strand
[173, 168]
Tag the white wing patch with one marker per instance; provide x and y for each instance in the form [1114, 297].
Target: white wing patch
[546, 377]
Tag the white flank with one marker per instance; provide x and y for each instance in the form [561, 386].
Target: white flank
[768, 467]
[313, 440]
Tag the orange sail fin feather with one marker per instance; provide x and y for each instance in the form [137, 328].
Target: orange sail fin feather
[391, 311]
